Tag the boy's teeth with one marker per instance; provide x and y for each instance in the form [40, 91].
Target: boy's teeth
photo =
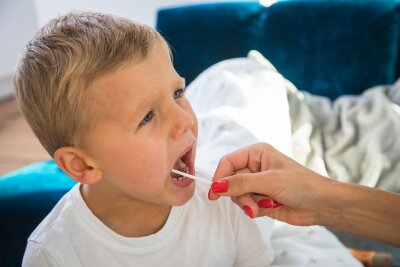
[181, 164]
[183, 168]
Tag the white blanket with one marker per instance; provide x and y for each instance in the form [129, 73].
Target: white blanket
[243, 101]
[353, 139]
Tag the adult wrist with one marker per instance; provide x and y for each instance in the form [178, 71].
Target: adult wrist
[329, 204]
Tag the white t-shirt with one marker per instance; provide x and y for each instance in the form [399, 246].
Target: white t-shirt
[198, 233]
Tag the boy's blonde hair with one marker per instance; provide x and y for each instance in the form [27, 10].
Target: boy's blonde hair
[53, 78]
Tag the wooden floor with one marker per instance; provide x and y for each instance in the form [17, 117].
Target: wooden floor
[18, 144]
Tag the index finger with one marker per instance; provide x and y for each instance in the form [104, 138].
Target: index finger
[232, 162]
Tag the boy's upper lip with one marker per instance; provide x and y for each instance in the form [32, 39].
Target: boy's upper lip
[186, 150]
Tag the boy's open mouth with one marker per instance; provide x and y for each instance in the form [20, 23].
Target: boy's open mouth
[183, 164]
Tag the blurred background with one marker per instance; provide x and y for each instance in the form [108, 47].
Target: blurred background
[356, 38]
[19, 20]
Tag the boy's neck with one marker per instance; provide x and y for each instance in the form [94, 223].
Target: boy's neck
[125, 217]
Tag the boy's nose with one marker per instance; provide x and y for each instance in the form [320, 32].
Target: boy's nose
[182, 122]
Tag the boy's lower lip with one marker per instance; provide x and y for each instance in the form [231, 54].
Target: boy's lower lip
[183, 183]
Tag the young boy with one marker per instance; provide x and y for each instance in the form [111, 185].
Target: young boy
[102, 96]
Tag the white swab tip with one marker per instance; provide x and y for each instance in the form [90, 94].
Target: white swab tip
[191, 176]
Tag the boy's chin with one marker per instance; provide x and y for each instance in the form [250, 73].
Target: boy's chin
[183, 198]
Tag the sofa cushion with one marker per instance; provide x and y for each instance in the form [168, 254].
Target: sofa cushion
[26, 196]
[328, 47]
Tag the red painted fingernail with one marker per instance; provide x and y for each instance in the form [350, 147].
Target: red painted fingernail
[248, 211]
[219, 186]
[266, 203]
[276, 205]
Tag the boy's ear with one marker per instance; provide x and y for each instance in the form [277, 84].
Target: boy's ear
[78, 166]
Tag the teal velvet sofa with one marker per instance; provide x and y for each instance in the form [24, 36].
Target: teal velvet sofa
[327, 47]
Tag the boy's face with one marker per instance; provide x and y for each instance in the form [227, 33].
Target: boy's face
[148, 126]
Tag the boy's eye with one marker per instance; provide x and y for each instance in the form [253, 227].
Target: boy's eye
[179, 93]
[149, 116]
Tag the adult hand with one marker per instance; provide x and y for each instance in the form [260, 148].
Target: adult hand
[259, 174]
[258, 177]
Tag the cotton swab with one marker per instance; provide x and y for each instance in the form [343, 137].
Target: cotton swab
[191, 176]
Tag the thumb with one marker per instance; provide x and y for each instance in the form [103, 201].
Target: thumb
[242, 183]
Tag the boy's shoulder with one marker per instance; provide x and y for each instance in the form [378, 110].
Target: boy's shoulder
[63, 232]
[58, 217]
